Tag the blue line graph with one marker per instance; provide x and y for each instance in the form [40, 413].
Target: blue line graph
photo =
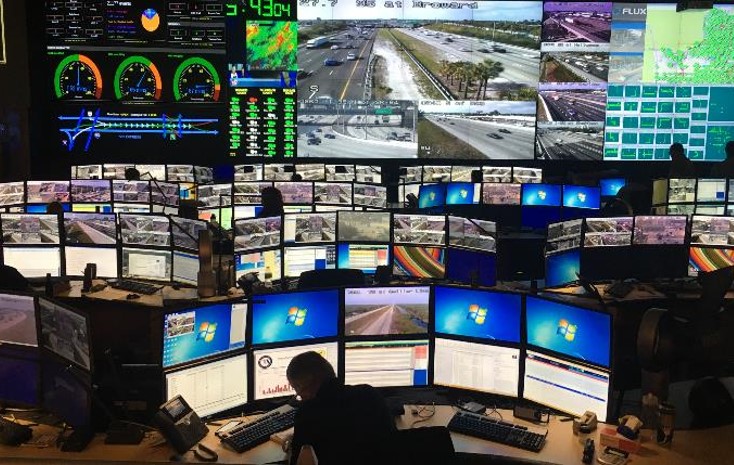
[93, 124]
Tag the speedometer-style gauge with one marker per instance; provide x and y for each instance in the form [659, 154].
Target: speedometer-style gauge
[137, 79]
[196, 80]
[77, 77]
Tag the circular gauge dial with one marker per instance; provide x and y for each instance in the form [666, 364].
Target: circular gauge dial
[196, 80]
[137, 78]
[77, 77]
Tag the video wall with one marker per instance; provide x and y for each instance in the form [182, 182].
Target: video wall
[467, 80]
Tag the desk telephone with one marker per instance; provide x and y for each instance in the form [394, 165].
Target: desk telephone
[180, 425]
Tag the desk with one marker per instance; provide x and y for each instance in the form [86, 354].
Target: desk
[158, 299]
[711, 446]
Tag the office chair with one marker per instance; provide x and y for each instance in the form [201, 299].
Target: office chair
[423, 446]
[315, 279]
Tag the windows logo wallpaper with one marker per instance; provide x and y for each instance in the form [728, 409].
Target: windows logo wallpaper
[567, 330]
[294, 316]
[206, 331]
[474, 313]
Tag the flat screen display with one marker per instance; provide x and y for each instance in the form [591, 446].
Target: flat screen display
[548, 195]
[266, 263]
[562, 268]
[195, 333]
[257, 233]
[146, 264]
[366, 195]
[386, 363]
[270, 367]
[29, 229]
[660, 230]
[76, 259]
[463, 193]
[296, 192]
[712, 230]
[611, 186]
[18, 317]
[581, 197]
[23, 368]
[431, 195]
[90, 228]
[307, 228]
[294, 316]
[364, 226]
[708, 259]
[296, 260]
[477, 313]
[473, 234]
[65, 333]
[34, 262]
[145, 230]
[365, 257]
[471, 267]
[332, 193]
[91, 191]
[570, 330]
[496, 193]
[419, 229]
[47, 191]
[386, 310]
[608, 232]
[419, 262]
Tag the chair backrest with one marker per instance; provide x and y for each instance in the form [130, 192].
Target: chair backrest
[423, 446]
[314, 279]
[714, 286]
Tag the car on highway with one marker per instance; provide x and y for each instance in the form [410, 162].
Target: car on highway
[494, 136]
[483, 50]
[335, 47]
[329, 136]
[317, 130]
[332, 62]
[392, 136]
[464, 49]
[302, 74]
[500, 50]
[506, 131]
[351, 56]
[313, 141]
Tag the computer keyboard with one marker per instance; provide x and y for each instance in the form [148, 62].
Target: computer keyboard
[135, 286]
[484, 427]
[619, 289]
[249, 435]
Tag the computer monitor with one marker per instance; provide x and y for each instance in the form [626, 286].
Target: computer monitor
[471, 267]
[710, 209]
[185, 232]
[305, 228]
[539, 217]
[497, 174]
[708, 259]
[91, 191]
[583, 197]
[473, 234]
[91, 208]
[248, 193]
[187, 190]
[214, 195]
[115, 170]
[367, 195]
[463, 193]
[146, 264]
[183, 173]
[570, 330]
[393, 363]
[41, 208]
[659, 230]
[270, 365]
[496, 193]
[363, 226]
[90, 228]
[610, 187]
[18, 317]
[20, 371]
[475, 366]
[199, 332]
[310, 171]
[527, 175]
[292, 316]
[436, 173]
[547, 195]
[65, 332]
[296, 260]
[165, 193]
[86, 171]
[249, 211]
[266, 263]
[76, 259]
[185, 267]
[562, 268]
[419, 229]
[223, 216]
[477, 313]
[659, 247]
[333, 193]
[296, 192]
[145, 230]
[131, 191]
[66, 392]
[563, 235]
[248, 172]
[608, 232]
[681, 190]
[157, 172]
[131, 208]
[368, 173]
[566, 386]
[12, 193]
[47, 191]
[404, 190]
[419, 262]
[203, 174]
[29, 229]
[257, 233]
[711, 190]
[431, 195]
[211, 387]
[712, 230]
[365, 257]
[381, 311]
[34, 262]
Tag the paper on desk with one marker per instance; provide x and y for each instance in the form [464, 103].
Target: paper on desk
[282, 436]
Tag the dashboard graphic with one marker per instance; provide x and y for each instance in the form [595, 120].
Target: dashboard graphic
[77, 77]
[138, 78]
[196, 80]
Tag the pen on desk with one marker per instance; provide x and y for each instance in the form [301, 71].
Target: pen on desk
[565, 419]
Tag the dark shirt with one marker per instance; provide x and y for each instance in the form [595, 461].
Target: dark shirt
[345, 425]
[682, 168]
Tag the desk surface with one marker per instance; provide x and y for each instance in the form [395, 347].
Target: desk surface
[711, 446]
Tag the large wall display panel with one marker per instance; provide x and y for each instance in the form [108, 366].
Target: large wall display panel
[417, 80]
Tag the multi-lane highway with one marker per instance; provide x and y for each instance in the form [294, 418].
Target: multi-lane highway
[585, 67]
[573, 28]
[572, 106]
[513, 142]
[568, 144]
[79, 232]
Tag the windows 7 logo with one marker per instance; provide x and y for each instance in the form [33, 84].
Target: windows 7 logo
[463, 193]
[567, 330]
[296, 316]
[206, 331]
[477, 314]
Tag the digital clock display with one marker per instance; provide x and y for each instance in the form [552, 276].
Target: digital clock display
[263, 9]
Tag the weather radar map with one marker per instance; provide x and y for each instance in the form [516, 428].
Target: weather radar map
[689, 48]
[271, 45]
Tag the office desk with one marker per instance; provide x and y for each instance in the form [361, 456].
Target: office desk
[562, 447]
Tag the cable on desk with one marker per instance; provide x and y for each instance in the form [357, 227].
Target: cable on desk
[494, 410]
[424, 413]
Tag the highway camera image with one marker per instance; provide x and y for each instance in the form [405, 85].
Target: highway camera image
[577, 21]
[11, 193]
[248, 192]
[30, 229]
[329, 193]
[364, 226]
[145, 230]
[570, 141]
[131, 191]
[47, 191]
[93, 190]
[90, 228]
[608, 232]
[186, 232]
[315, 228]
[415, 229]
[572, 102]
[257, 233]
[574, 67]
[386, 310]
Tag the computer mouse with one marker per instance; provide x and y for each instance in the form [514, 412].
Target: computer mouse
[132, 296]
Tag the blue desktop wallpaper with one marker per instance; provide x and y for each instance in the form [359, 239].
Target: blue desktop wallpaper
[431, 195]
[577, 332]
[460, 193]
[25, 372]
[561, 268]
[185, 340]
[475, 313]
[295, 315]
[461, 263]
[541, 194]
[610, 187]
[581, 197]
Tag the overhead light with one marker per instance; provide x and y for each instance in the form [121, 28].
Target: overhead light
[693, 6]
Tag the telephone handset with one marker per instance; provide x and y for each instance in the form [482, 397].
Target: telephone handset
[180, 425]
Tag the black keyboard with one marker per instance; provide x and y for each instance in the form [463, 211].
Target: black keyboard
[135, 286]
[249, 435]
[484, 427]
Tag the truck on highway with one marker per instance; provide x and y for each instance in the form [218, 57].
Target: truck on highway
[316, 42]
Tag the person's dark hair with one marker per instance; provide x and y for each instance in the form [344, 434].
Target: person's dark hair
[710, 403]
[729, 149]
[11, 279]
[55, 207]
[272, 201]
[132, 174]
[676, 150]
[310, 366]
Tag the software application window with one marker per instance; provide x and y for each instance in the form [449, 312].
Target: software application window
[386, 363]
[78, 257]
[270, 366]
[34, 262]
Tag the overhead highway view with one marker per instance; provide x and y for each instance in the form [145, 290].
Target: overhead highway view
[570, 143]
[571, 105]
[574, 67]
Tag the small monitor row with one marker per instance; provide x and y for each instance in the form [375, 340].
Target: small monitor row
[492, 174]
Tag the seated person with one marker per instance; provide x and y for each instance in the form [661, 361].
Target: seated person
[725, 169]
[343, 424]
[680, 165]
[11, 279]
